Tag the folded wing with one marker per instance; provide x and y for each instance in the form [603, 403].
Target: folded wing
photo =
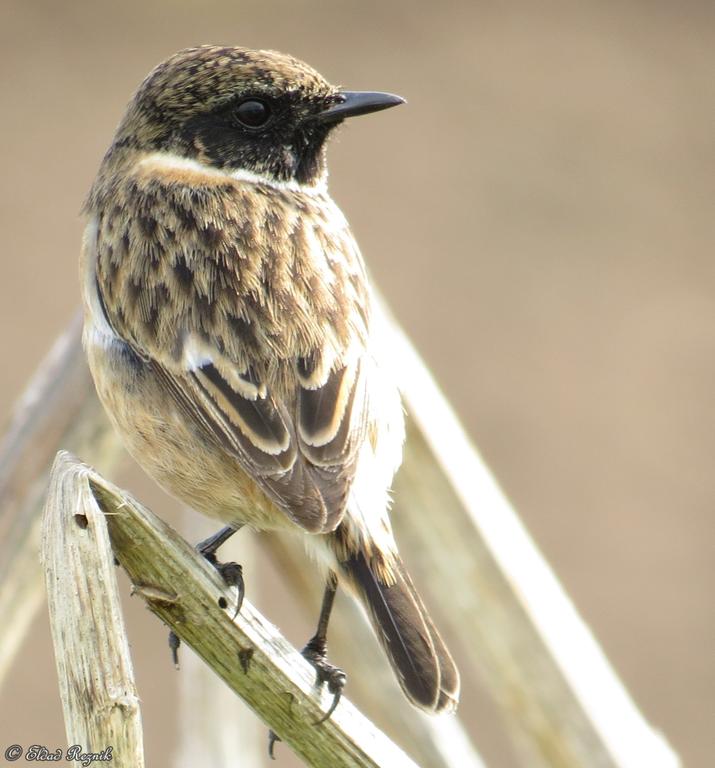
[303, 456]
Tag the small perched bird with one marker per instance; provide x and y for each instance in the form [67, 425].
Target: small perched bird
[228, 330]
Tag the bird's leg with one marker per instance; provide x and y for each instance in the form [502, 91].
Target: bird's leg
[316, 651]
[231, 572]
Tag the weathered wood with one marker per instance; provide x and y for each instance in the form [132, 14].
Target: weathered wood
[57, 409]
[249, 654]
[94, 668]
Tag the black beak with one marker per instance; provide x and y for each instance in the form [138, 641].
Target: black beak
[352, 103]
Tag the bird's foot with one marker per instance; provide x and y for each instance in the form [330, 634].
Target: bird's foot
[325, 673]
[231, 573]
[315, 652]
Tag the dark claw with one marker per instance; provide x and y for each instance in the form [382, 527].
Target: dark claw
[174, 643]
[332, 708]
[272, 739]
[232, 574]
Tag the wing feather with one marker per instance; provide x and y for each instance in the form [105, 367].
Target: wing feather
[331, 418]
[282, 475]
[310, 482]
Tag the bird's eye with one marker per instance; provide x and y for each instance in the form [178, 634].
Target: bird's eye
[253, 113]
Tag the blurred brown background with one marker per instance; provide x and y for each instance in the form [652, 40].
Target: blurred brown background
[540, 218]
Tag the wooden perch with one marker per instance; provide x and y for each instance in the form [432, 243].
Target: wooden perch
[94, 668]
[188, 594]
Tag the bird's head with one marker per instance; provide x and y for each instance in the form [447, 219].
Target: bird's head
[241, 109]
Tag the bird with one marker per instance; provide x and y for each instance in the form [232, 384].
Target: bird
[229, 326]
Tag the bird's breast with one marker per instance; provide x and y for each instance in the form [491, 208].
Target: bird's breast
[268, 272]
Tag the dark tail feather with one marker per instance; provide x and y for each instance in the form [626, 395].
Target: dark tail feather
[421, 661]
